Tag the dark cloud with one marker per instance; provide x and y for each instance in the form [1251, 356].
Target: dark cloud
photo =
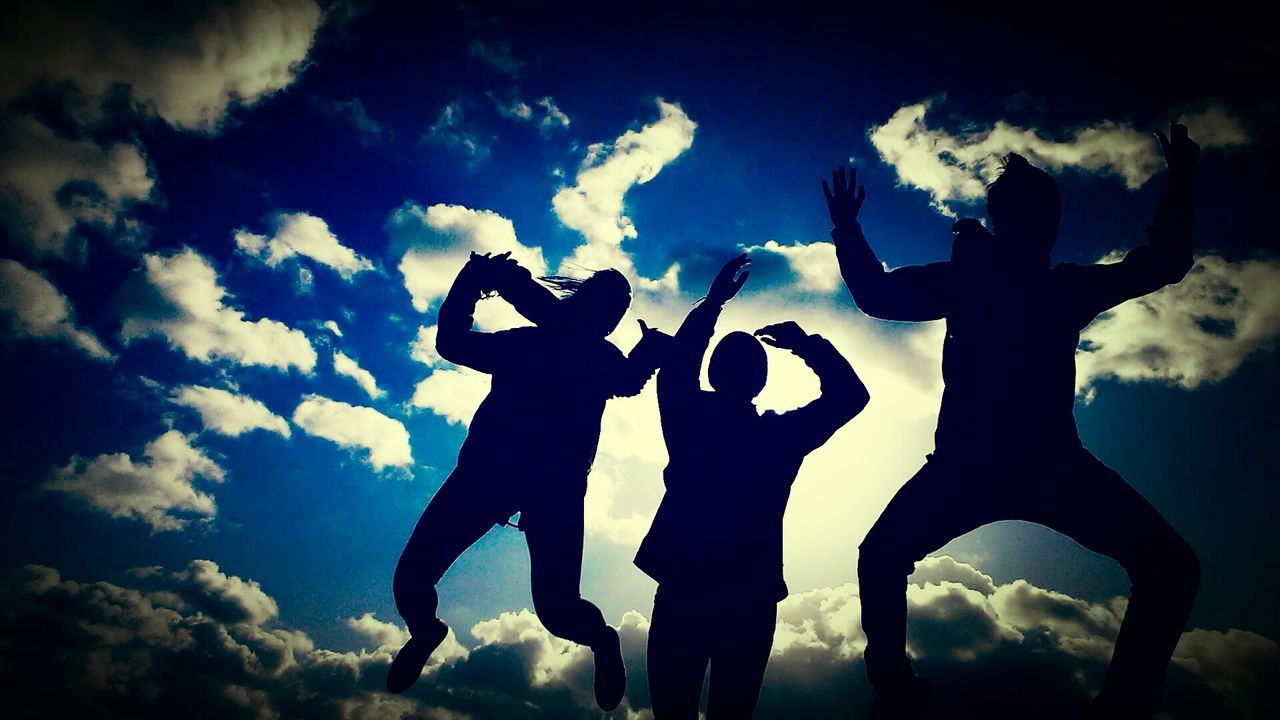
[203, 643]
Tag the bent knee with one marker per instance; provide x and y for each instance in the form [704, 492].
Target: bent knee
[558, 613]
[882, 555]
[1175, 569]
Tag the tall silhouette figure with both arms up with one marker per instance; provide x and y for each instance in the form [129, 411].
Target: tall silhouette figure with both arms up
[1006, 445]
[715, 546]
[529, 449]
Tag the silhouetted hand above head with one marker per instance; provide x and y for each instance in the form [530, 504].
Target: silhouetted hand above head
[505, 271]
[844, 202]
[728, 282]
[785, 335]
[1180, 153]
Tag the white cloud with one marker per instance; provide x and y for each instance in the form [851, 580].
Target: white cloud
[552, 657]
[35, 308]
[224, 636]
[390, 637]
[188, 67]
[497, 55]
[332, 327]
[347, 366]
[1197, 331]
[354, 426]
[548, 117]
[814, 264]
[1238, 664]
[303, 235]
[437, 240]
[594, 204]
[450, 391]
[158, 490]
[453, 393]
[49, 184]
[227, 413]
[449, 130]
[178, 297]
[423, 347]
[955, 167]
[226, 598]
[553, 117]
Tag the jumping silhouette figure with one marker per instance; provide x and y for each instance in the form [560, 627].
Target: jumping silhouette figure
[529, 449]
[1006, 445]
[715, 546]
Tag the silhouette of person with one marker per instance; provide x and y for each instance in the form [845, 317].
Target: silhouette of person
[1006, 445]
[715, 546]
[529, 449]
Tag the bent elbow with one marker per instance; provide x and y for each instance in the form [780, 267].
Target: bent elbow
[449, 348]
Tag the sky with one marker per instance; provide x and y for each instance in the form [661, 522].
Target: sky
[226, 228]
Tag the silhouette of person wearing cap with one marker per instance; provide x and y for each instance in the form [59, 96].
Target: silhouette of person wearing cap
[529, 449]
[715, 546]
[1006, 445]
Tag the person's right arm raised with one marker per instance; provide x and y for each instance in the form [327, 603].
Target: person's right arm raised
[910, 293]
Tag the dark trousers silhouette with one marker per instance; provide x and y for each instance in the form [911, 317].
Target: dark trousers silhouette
[1069, 491]
[691, 628]
[461, 512]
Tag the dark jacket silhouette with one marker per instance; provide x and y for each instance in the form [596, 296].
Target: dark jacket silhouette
[1006, 445]
[715, 546]
[529, 449]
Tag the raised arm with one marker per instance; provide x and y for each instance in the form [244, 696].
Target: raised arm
[644, 360]
[683, 364]
[455, 340]
[1167, 255]
[909, 293]
[516, 285]
[843, 395]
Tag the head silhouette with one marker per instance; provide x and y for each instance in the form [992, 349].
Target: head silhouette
[594, 305]
[738, 366]
[1025, 208]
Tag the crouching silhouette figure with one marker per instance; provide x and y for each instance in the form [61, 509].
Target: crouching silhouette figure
[1006, 445]
[715, 546]
[529, 449]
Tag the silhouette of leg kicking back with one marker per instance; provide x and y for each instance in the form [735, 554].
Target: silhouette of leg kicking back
[718, 532]
[1006, 446]
[529, 449]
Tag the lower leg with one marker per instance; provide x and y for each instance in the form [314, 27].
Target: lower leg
[883, 594]
[555, 567]
[1162, 567]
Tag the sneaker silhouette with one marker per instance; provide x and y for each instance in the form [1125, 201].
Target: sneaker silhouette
[611, 674]
[407, 666]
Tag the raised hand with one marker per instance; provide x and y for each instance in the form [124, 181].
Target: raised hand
[728, 282]
[844, 203]
[785, 335]
[506, 271]
[1180, 152]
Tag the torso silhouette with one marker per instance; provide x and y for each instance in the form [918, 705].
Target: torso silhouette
[540, 424]
[1008, 361]
[731, 468]
[728, 482]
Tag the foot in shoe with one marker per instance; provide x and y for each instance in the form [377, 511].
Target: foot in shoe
[407, 666]
[611, 674]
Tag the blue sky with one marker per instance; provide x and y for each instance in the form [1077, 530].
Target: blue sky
[326, 167]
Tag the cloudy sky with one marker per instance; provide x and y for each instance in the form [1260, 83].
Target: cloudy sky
[225, 231]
